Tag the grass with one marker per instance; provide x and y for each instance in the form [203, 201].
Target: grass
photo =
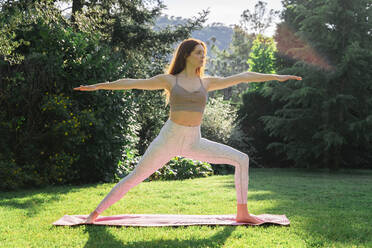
[325, 210]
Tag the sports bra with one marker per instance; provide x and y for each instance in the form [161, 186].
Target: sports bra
[181, 99]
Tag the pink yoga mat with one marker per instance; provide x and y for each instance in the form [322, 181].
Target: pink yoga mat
[168, 220]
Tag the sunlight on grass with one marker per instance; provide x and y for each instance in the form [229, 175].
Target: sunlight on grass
[325, 210]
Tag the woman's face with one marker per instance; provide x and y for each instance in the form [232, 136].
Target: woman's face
[197, 56]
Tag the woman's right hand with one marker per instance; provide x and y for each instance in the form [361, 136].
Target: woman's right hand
[87, 87]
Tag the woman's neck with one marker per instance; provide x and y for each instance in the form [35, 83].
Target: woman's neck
[189, 72]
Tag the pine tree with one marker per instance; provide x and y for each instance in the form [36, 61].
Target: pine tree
[326, 119]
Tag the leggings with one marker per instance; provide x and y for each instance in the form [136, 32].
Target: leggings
[178, 140]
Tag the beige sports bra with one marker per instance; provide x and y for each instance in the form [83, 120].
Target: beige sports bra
[181, 99]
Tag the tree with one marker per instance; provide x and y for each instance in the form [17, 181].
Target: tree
[129, 28]
[325, 117]
[235, 59]
[231, 61]
[53, 135]
[254, 105]
[262, 59]
[258, 21]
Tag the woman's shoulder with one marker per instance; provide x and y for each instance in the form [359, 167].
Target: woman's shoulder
[168, 78]
[207, 79]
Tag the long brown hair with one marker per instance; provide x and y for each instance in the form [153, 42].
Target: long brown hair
[178, 62]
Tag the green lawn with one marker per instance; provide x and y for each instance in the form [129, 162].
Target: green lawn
[325, 210]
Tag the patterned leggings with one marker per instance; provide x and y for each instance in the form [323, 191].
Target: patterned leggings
[178, 140]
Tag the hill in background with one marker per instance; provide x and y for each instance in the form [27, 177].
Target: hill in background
[222, 34]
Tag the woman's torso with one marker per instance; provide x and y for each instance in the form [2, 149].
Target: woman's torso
[187, 117]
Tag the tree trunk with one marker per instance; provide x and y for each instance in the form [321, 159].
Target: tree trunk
[77, 5]
[227, 93]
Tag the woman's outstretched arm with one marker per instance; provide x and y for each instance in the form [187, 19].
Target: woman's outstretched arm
[157, 82]
[217, 83]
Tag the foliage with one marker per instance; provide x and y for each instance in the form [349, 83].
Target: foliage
[218, 120]
[130, 30]
[51, 134]
[254, 106]
[144, 49]
[249, 50]
[219, 125]
[262, 58]
[183, 168]
[177, 168]
[231, 61]
[324, 118]
[258, 21]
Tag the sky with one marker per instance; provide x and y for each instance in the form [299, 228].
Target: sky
[224, 11]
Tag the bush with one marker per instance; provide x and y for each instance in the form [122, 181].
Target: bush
[220, 125]
[51, 134]
[177, 168]
[254, 106]
[57, 135]
[12, 176]
[218, 120]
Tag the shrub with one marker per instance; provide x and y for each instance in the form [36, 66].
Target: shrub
[220, 125]
[180, 168]
[218, 120]
[177, 168]
[51, 134]
[254, 106]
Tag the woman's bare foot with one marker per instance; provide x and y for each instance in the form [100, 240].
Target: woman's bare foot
[244, 216]
[249, 219]
[91, 218]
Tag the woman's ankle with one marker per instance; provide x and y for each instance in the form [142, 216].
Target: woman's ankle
[94, 213]
[242, 210]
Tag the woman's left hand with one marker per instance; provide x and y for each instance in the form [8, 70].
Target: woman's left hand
[282, 78]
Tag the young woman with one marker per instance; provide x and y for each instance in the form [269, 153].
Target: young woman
[186, 92]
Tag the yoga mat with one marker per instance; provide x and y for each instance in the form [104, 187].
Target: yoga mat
[168, 220]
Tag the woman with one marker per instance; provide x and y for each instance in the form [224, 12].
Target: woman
[187, 94]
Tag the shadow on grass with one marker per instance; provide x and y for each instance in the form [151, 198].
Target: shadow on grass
[33, 200]
[329, 207]
[100, 237]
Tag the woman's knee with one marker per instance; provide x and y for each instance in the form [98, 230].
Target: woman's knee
[242, 161]
[245, 160]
